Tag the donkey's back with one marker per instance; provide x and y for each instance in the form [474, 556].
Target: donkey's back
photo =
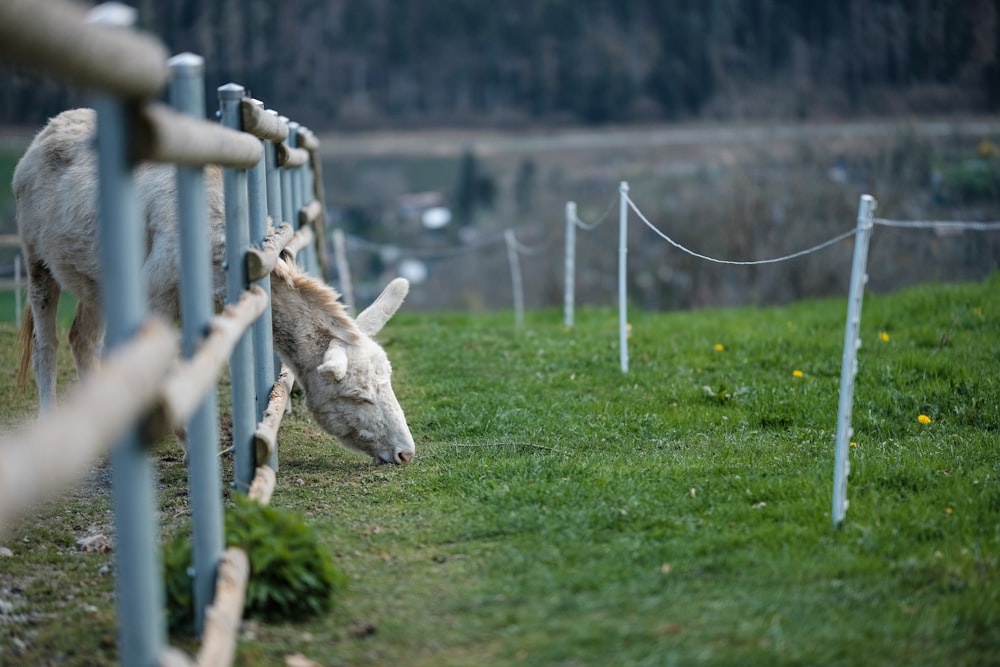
[56, 194]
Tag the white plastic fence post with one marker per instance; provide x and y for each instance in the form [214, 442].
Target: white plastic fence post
[849, 365]
[570, 282]
[241, 364]
[187, 95]
[343, 268]
[515, 277]
[622, 288]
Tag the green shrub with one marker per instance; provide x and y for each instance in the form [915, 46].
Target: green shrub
[291, 576]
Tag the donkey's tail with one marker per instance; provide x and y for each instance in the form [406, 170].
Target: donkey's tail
[26, 341]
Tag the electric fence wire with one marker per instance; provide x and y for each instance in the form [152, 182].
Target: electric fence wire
[587, 227]
[775, 260]
[939, 224]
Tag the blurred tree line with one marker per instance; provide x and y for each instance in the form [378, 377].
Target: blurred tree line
[371, 63]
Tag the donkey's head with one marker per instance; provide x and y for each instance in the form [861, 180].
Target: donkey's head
[347, 380]
[358, 405]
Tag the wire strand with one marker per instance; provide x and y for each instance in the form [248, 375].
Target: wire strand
[775, 260]
[938, 224]
[529, 250]
[604, 216]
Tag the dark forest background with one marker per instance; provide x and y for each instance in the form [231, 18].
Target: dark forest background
[343, 64]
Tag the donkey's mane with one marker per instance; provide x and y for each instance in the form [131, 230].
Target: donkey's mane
[319, 295]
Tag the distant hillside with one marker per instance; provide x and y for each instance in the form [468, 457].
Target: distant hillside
[338, 64]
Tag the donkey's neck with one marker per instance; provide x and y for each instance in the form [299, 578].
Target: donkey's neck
[306, 316]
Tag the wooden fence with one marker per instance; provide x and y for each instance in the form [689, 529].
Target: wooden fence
[148, 384]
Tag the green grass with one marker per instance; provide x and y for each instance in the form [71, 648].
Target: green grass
[561, 513]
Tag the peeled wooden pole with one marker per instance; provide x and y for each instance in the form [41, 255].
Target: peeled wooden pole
[183, 389]
[260, 123]
[164, 135]
[262, 487]
[310, 213]
[301, 240]
[55, 38]
[222, 620]
[261, 261]
[265, 438]
[291, 157]
[40, 459]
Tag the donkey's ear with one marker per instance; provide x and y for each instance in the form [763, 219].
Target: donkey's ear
[373, 318]
[334, 362]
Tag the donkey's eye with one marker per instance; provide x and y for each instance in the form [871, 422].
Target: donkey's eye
[361, 396]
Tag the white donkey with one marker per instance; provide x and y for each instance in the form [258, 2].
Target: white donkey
[345, 374]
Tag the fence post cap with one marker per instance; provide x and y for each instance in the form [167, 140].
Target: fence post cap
[186, 63]
[231, 91]
[113, 14]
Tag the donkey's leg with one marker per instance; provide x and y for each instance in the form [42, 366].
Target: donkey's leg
[43, 297]
[86, 337]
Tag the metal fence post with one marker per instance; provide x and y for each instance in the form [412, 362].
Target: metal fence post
[187, 95]
[273, 180]
[285, 180]
[272, 177]
[569, 283]
[263, 337]
[295, 188]
[849, 364]
[121, 235]
[622, 275]
[241, 362]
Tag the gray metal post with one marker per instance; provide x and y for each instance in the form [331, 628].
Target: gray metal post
[622, 275]
[569, 282]
[849, 364]
[273, 179]
[306, 196]
[241, 363]
[263, 338]
[295, 185]
[141, 629]
[274, 206]
[121, 235]
[287, 195]
[187, 95]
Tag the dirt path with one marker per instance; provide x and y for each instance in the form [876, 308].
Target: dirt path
[487, 143]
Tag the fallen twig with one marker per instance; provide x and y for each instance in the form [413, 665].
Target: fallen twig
[510, 444]
[947, 334]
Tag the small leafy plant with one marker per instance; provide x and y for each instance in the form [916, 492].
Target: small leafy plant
[291, 576]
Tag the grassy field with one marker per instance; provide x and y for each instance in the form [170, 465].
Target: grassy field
[560, 513]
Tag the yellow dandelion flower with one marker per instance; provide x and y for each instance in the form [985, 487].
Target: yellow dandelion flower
[884, 337]
[719, 347]
[797, 373]
[854, 444]
[947, 510]
[924, 419]
[987, 148]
